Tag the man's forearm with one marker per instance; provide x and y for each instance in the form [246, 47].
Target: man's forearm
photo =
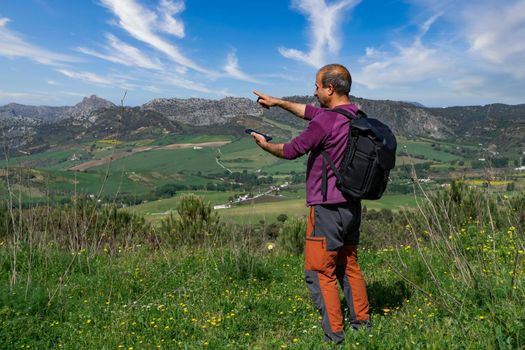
[277, 149]
[296, 108]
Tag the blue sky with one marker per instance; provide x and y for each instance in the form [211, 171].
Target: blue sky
[439, 53]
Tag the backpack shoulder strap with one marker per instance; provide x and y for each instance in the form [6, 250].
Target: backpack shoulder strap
[350, 115]
[324, 183]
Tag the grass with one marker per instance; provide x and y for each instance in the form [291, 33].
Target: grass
[457, 282]
[200, 160]
[92, 183]
[193, 299]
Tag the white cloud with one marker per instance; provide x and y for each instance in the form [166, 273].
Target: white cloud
[167, 9]
[181, 70]
[187, 84]
[428, 23]
[13, 45]
[122, 53]
[496, 32]
[142, 24]
[232, 68]
[55, 97]
[89, 77]
[18, 95]
[406, 65]
[77, 94]
[467, 84]
[324, 21]
[410, 64]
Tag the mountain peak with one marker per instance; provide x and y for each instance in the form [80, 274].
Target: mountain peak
[94, 102]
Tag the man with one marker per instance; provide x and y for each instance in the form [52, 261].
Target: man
[333, 221]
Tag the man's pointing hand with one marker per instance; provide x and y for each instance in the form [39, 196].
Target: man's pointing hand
[265, 100]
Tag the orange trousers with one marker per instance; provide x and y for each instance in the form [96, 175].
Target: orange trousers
[324, 268]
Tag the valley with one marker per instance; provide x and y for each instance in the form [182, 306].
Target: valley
[149, 157]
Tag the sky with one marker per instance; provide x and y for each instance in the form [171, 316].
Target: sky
[435, 52]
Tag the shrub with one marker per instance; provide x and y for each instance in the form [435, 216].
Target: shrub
[80, 225]
[382, 229]
[291, 238]
[195, 224]
[282, 217]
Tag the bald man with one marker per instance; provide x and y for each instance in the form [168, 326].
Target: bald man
[332, 234]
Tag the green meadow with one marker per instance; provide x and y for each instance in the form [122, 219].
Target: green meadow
[253, 212]
[445, 276]
[422, 147]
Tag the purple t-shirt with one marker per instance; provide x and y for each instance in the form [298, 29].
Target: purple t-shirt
[326, 131]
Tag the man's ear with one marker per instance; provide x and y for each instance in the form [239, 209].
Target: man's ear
[331, 89]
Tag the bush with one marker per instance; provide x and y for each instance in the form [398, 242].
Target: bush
[195, 224]
[80, 225]
[170, 189]
[382, 229]
[282, 217]
[292, 236]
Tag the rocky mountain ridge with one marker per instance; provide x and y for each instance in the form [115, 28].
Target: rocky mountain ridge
[46, 114]
[199, 111]
[34, 128]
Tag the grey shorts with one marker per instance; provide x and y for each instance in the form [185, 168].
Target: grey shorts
[339, 223]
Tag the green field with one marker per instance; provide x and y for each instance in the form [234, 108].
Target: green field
[293, 205]
[57, 159]
[241, 154]
[424, 148]
[170, 139]
[170, 204]
[268, 212]
[138, 175]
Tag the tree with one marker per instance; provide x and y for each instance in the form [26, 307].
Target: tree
[282, 217]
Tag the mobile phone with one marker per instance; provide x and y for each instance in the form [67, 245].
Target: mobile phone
[249, 131]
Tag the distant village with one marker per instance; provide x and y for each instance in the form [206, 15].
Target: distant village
[247, 198]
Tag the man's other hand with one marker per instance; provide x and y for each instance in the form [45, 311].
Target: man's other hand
[277, 149]
[259, 139]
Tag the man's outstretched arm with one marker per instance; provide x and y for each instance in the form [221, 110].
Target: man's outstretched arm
[268, 101]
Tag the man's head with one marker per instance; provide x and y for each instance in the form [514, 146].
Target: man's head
[332, 83]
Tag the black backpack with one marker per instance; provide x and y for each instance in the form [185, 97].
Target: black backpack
[369, 156]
